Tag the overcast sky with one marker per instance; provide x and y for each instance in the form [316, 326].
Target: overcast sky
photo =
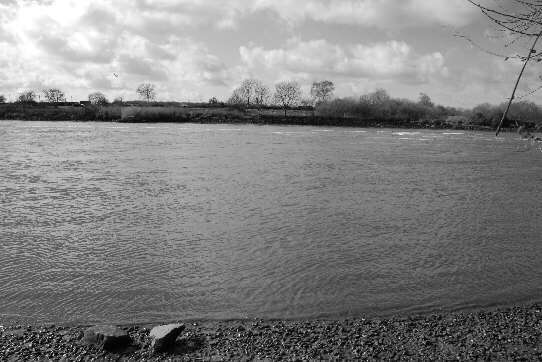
[196, 49]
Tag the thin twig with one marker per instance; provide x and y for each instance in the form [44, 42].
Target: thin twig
[529, 93]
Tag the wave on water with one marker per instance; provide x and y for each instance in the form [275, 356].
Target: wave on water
[334, 225]
[405, 133]
[210, 129]
[377, 138]
[285, 133]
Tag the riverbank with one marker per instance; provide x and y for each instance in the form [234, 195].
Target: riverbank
[502, 334]
[158, 113]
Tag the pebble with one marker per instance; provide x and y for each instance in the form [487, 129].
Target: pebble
[481, 335]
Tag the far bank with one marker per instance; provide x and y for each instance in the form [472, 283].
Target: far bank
[139, 112]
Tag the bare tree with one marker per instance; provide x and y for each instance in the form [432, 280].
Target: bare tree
[520, 20]
[247, 90]
[251, 91]
[97, 98]
[146, 92]
[322, 91]
[262, 94]
[236, 97]
[516, 17]
[425, 100]
[378, 97]
[27, 97]
[287, 94]
[54, 95]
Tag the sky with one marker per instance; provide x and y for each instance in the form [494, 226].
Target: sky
[192, 50]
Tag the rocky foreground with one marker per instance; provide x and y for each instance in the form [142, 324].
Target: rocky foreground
[505, 334]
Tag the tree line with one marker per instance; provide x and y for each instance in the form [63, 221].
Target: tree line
[146, 92]
[377, 105]
[286, 94]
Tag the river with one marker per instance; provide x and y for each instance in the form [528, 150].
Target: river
[156, 222]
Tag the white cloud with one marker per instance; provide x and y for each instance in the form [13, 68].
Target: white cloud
[374, 13]
[154, 17]
[79, 45]
[392, 59]
[367, 13]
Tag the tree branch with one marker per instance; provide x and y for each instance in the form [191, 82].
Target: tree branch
[531, 51]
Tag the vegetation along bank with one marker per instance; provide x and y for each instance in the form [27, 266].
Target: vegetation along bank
[251, 102]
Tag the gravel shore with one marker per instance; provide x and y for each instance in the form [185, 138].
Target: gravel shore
[503, 334]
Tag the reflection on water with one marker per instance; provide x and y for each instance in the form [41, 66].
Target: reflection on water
[158, 222]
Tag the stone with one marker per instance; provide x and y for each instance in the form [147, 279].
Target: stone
[106, 337]
[17, 332]
[163, 337]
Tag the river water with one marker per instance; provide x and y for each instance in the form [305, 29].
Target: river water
[140, 223]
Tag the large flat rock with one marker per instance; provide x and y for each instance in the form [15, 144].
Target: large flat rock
[163, 337]
[106, 337]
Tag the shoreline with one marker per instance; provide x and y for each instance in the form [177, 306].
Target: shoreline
[223, 114]
[284, 122]
[501, 333]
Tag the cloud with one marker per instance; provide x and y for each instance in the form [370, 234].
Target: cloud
[386, 60]
[384, 14]
[141, 67]
[79, 45]
[183, 45]
[154, 18]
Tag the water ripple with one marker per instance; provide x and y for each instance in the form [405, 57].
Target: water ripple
[133, 223]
